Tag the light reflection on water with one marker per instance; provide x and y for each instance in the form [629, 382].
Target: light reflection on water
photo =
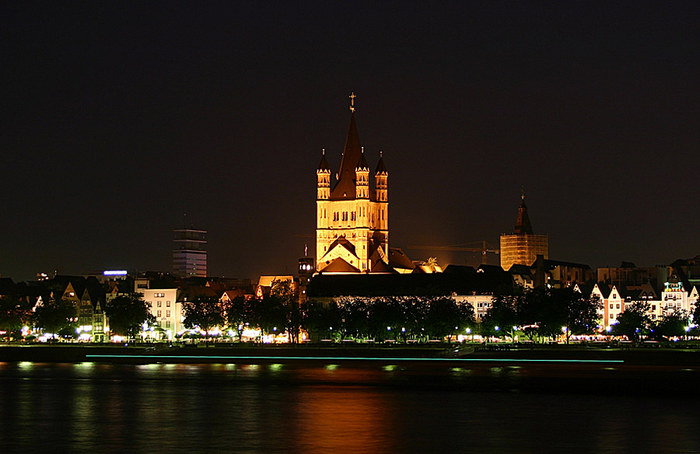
[88, 407]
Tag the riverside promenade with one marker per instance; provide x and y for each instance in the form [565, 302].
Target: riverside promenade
[546, 369]
[264, 353]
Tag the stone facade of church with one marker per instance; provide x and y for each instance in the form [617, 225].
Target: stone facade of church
[352, 212]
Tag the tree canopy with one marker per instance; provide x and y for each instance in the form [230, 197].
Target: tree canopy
[673, 324]
[127, 314]
[390, 317]
[57, 316]
[14, 314]
[634, 321]
[205, 312]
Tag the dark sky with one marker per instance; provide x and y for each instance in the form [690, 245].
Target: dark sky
[118, 117]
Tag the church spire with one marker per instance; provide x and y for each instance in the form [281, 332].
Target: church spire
[352, 153]
[522, 224]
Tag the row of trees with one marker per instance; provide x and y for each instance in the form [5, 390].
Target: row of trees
[549, 313]
[278, 311]
[127, 314]
[542, 313]
[635, 323]
[538, 314]
[399, 318]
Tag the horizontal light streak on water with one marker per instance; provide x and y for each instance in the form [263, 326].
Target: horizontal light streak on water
[361, 358]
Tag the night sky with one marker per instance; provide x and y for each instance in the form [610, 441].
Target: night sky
[118, 117]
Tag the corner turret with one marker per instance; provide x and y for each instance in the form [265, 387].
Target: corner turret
[362, 177]
[381, 178]
[323, 178]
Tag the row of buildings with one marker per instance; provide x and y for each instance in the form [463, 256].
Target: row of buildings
[167, 294]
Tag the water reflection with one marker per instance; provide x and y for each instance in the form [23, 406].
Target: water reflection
[90, 407]
[343, 420]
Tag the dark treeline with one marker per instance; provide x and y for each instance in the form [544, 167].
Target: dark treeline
[393, 318]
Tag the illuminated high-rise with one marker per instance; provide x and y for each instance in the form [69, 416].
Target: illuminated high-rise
[190, 252]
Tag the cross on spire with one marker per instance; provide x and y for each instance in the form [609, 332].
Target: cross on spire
[352, 101]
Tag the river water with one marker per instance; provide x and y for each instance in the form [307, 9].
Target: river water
[96, 407]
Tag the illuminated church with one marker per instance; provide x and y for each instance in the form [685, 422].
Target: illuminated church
[352, 214]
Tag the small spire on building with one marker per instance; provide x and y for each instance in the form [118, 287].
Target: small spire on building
[381, 167]
[323, 165]
[362, 163]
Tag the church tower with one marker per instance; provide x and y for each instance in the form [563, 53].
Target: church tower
[352, 217]
[523, 246]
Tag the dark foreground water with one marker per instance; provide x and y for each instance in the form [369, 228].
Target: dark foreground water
[94, 407]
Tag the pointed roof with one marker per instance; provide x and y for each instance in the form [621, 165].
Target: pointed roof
[381, 167]
[323, 165]
[522, 224]
[399, 259]
[603, 288]
[362, 163]
[344, 242]
[381, 267]
[345, 187]
[338, 265]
